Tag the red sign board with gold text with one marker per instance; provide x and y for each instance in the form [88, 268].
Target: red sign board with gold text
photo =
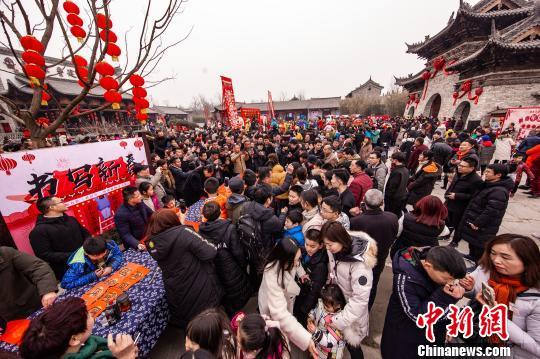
[89, 178]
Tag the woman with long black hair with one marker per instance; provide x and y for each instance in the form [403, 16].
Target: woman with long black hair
[279, 289]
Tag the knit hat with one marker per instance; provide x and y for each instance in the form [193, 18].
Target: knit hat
[236, 185]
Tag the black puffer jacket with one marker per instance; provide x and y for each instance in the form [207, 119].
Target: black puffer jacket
[486, 211]
[186, 261]
[230, 262]
[442, 152]
[423, 181]
[54, 239]
[464, 186]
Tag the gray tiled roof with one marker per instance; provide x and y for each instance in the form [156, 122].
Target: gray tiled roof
[311, 104]
[169, 110]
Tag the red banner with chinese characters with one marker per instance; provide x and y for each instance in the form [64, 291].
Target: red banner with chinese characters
[271, 111]
[229, 104]
[89, 178]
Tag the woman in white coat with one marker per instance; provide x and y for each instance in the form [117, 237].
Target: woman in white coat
[503, 148]
[279, 289]
[511, 266]
[352, 256]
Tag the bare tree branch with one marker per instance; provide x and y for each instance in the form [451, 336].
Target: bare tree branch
[25, 17]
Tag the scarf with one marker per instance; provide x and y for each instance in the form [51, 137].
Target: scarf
[506, 291]
[460, 154]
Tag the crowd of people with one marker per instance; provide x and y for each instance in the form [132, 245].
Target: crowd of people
[303, 218]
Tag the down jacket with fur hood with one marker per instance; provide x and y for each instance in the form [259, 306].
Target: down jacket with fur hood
[353, 274]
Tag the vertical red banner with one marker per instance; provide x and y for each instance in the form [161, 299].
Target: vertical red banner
[271, 112]
[229, 105]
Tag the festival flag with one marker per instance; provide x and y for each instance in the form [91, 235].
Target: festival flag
[271, 106]
[207, 115]
[229, 105]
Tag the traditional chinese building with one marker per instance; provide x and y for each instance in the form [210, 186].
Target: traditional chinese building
[295, 108]
[369, 88]
[484, 61]
[63, 85]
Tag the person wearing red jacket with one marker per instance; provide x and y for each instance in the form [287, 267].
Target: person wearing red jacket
[417, 149]
[361, 183]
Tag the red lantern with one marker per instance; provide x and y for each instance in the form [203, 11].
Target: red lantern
[139, 144]
[142, 116]
[139, 92]
[123, 144]
[103, 22]
[28, 157]
[426, 75]
[113, 50]
[113, 97]
[108, 83]
[104, 69]
[71, 8]
[45, 97]
[33, 57]
[43, 122]
[478, 91]
[455, 95]
[80, 61]
[466, 86]
[141, 102]
[82, 71]
[34, 73]
[439, 63]
[136, 80]
[7, 164]
[411, 97]
[108, 36]
[74, 20]
[29, 42]
[78, 32]
[417, 101]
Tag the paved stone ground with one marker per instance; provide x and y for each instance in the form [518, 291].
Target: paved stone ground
[522, 217]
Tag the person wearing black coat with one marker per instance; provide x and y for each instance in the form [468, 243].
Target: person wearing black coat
[131, 218]
[442, 152]
[230, 261]
[382, 227]
[56, 235]
[395, 192]
[414, 287]
[180, 176]
[186, 261]
[316, 266]
[464, 185]
[271, 225]
[485, 212]
[194, 185]
[423, 181]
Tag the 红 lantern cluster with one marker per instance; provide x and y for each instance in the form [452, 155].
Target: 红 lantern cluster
[139, 97]
[34, 62]
[109, 84]
[106, 35]
[74, 20]
[81, 68]
[466, 89]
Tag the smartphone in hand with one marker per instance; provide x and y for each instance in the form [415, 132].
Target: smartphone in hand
[488, 293]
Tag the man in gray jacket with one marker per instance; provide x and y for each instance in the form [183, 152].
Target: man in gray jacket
[378, 170]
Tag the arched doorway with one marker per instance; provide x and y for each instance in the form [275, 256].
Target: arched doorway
[433, 106]
[411, 112]
[462, 112]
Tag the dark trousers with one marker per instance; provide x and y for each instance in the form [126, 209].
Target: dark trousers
[376, 276]
[475, 253]
[356, 353]
[395, 206]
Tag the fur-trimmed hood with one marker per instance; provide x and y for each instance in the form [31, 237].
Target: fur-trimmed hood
[364, 249]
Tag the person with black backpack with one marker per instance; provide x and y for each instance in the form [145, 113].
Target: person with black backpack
[258, 229]
[231, 259]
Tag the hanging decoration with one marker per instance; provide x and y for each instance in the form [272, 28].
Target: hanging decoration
[426, 76]
[139, 97]
[413, 98]
[7, 164]
[466, 89]
[113, 97]
[439, 64]
[104, 68]
[74, 20]
[43, 122]
[108, 36]
[33, 59]
[28, 157]
[45, 97]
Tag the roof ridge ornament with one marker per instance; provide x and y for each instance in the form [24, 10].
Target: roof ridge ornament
[451, 18]
[494, 32]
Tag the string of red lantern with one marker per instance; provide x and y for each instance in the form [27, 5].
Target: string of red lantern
[139, 97]
[108, 36]
[74, 20]
[33, 59]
